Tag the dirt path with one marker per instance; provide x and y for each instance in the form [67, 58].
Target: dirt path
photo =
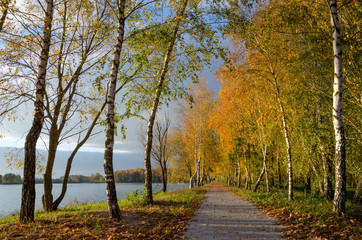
[224, 215]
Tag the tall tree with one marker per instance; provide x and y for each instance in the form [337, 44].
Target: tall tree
[339, 200]
[28, 190]
[113, 207]
[156, 100]
[80, 25]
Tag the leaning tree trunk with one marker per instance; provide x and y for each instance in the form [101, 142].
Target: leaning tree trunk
[156, 100]
[56, 203]
[339, 200]
[113, 208]
[287, 141]
[28, 190]
[263, 171]
[191, 184]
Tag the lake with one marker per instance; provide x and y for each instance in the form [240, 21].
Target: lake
[10, 195]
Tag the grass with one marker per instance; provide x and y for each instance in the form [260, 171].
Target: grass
[308, 217]
[166, 219]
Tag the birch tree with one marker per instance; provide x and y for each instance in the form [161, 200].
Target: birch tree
[113, 208]
[28, 190]
[156, 100]
[339, 200]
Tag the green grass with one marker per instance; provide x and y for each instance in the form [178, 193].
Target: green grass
[135, 199]
[166, 219]
[314, 205]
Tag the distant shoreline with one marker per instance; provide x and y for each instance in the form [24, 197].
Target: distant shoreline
[78, 183]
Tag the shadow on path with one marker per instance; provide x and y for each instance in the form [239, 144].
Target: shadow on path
[224, 215]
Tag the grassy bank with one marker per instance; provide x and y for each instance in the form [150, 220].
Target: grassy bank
[166, 219]
[308, 217]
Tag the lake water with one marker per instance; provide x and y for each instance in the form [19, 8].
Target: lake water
[10, 195]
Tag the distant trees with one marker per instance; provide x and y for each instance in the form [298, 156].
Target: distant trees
[160, 153]
[10, 178]
[136, 176]
[193, 143]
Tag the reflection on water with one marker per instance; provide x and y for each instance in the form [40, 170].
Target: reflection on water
[10, 195]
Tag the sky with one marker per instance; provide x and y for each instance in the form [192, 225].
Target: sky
[128, 153]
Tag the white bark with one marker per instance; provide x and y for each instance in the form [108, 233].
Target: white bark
[286, 137]
[28, 189]
[340, 151]
[113, 207]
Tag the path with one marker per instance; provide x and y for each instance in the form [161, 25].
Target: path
[224, 215]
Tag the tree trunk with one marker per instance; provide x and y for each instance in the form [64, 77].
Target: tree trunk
[357, 198]
[286, 136]
[202, 172]
[320, 185]
[266, 178]
[164, 176]
[113, 208]
[339, 200]
[327, 172]
[308, 186]
[279, 171]
[239, 173]
[263, 171]
[71, 157]
[259, 179]
[272, 181]
[28, 190]
[191, 184]
[156, 100]
[5, 7]
[47, 199]
[248, 177]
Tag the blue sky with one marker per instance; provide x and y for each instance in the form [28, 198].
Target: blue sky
[128, 153]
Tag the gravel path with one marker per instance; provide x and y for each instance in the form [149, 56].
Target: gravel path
[224, 215]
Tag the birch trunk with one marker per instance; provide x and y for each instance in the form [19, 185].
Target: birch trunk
[247, 178]
[191, 184]
[339, 200]
[287, 141]
[263, 171]
[113, 208]
[28, 189]
[156, 100]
